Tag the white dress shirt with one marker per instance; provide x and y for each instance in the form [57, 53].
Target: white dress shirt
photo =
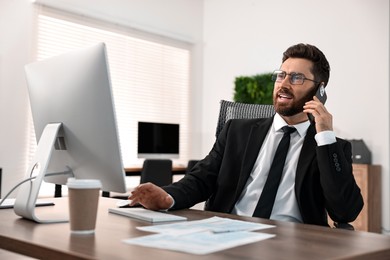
[285, 207]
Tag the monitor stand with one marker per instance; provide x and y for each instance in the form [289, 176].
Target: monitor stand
[28, 191]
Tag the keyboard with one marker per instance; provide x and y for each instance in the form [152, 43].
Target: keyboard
[146, 215]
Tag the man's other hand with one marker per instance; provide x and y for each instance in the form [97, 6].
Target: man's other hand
[151, 197]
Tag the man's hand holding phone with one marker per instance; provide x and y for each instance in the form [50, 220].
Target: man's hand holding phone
[317, 112]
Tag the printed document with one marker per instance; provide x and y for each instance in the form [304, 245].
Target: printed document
[202, 236]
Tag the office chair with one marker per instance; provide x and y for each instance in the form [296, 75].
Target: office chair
[191, 164]
[157, 171]
[235, 110]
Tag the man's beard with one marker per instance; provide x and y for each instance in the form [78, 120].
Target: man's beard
[296, 107]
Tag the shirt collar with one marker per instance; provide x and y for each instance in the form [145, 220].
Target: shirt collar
[279, 122]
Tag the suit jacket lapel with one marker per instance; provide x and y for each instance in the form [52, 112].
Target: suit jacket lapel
[255, 140]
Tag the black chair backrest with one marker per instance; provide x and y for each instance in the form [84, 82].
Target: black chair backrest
[157, 171]
[235, 110]
[191, 163]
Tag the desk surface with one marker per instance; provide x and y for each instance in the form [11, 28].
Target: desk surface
[292, 241]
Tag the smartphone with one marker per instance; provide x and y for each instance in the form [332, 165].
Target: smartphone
[321, 95]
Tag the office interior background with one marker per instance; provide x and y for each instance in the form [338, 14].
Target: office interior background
[227, 38]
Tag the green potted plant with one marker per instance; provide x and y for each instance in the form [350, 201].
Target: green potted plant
[255, 89]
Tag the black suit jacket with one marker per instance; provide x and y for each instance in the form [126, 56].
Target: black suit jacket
[324, 181]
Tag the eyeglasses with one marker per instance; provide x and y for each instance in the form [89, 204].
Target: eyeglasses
[295, 78]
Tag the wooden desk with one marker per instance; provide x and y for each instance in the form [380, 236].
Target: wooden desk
[292, 241]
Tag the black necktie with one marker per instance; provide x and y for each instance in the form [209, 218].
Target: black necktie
[267, 197]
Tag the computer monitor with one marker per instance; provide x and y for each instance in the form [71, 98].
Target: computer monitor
[158, 140]
[74, 118]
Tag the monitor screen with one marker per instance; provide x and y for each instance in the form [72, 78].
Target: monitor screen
[73, 90]
[73, 112]
[158, 140]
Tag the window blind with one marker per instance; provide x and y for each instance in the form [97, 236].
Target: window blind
[150, 74]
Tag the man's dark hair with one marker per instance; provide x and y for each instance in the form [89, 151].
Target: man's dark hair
[320, 69]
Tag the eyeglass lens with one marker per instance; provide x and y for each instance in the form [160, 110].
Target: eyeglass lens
[295, 78]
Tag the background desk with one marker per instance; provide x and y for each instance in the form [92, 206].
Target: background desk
[136, 171]
[292, 241]
[131, 171]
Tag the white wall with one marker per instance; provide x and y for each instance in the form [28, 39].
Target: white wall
[231, 38]
[15, 24]
[245, 37]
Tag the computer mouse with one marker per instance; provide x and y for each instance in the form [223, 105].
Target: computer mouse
[123, 203]
[126, 204]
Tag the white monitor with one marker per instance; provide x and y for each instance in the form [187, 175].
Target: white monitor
[74, 118]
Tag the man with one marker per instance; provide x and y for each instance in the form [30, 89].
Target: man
[317, 177]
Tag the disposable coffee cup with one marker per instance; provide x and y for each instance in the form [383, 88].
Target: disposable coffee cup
[83, 204]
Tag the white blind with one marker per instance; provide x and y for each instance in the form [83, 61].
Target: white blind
[150, 74]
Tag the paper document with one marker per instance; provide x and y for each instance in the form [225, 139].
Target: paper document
[201, 236]
[213, 224]
[199, 243]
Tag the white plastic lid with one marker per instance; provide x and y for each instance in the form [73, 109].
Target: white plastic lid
[84, 183]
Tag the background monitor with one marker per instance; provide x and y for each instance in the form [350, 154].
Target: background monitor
[71, 99]
[158, 140]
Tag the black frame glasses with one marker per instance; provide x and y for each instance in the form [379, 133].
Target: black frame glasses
[295, 78]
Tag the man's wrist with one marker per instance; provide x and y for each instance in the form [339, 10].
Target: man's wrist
[171, 206]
